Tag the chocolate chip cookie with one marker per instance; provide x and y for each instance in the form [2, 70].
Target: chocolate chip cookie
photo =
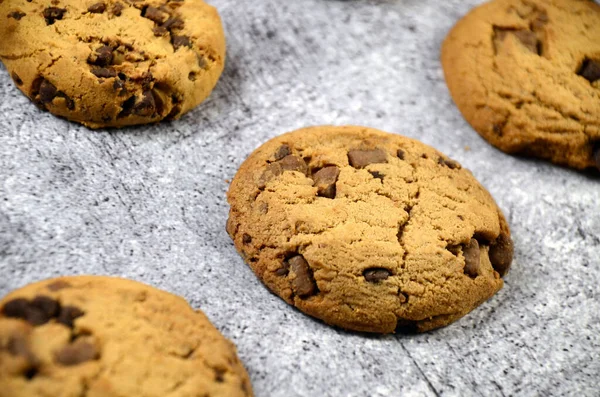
[113, 63]
[101, 336]
[526, 75]
[367, 230]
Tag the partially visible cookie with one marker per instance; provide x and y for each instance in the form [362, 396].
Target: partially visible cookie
[367, 230]
[102, 336]
[526, 75]
[113, 63]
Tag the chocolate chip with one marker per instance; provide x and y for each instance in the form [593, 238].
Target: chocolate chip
[304, 284]
[325, 180]
[293, 163]
[48, 306]
[154, 14]
[180, 41]
[159, 31]
[173, 23]
[76, 353]
[16, 15]
[449, 163]
[16, 308]
[400, 154]
[68, 314]
[17, 346]
[596, 155]
[362, 158]
[501, 254]
[47, 91]
[127, 106]
[58, 285]
[472, 258]
[246, 238]
[97, 8]
[376, 275]
[590, 70]
[146, 106]
[117, 9]
[53, 14]
[16, 78]
[377, 175]
[283, 151]
[104, 73]
[102, 57]
[526, 37]
[283, 270]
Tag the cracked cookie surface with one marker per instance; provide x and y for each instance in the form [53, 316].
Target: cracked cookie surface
[367, 230]
[526, 75]
[102, 336]
[113, 63]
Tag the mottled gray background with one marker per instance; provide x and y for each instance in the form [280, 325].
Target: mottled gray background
[149, 203]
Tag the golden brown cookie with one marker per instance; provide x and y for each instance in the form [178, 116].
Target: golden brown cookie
[102, 336]
[526, 75]
[112, 63]
[367, 230]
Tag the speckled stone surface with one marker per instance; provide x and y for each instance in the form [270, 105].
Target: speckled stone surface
[148, 203]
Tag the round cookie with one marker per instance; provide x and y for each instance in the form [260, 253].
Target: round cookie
[113, 63]
[366, 230]
[102, 336]
[526, 75]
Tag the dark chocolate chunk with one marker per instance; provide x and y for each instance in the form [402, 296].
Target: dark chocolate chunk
[180, 41]
[361, 158]
[449, 163]
[16, 78]
[283, 151]
[117, 9]
[304, 284]
[146, 106]
[400, 154]
[376, 275]
[76, 353]
[156, 15]
[127, 106]
[48, 306]
[47, 91]
[501, 254]
[293, 163]
[173, 23]
[68, 314]
[16, 15]
[97, 8]
[16, 308]
[53, 14]
[325, 180]
[246, 238]
[102, 57]
[472, 258]
[104, 73]
[590, 70]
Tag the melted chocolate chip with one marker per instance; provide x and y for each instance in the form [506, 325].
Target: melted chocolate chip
[159, 31]
[472, 258]
[173, 23]
[180, 41]
[127, 106]
[47, 91]
[501, 254]
[97, 8]
[283, 151]
[146, 106]
[325, 180]
[362, 158]
[16, 78]
[376, 275]
[68, 314]
[16, 15]
[246, 238]
[76, 353]
[48, 306]
[22, 309]
[155, 15]
[104, 73]
[53, 14]
[102, 57]
[304, 284]
[590, 70]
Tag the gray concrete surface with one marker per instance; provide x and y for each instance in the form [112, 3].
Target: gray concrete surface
[149, 203]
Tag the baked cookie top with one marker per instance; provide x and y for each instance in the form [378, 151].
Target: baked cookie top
[113, 62]
[101, 336]
[367, 230]
[526, 75]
